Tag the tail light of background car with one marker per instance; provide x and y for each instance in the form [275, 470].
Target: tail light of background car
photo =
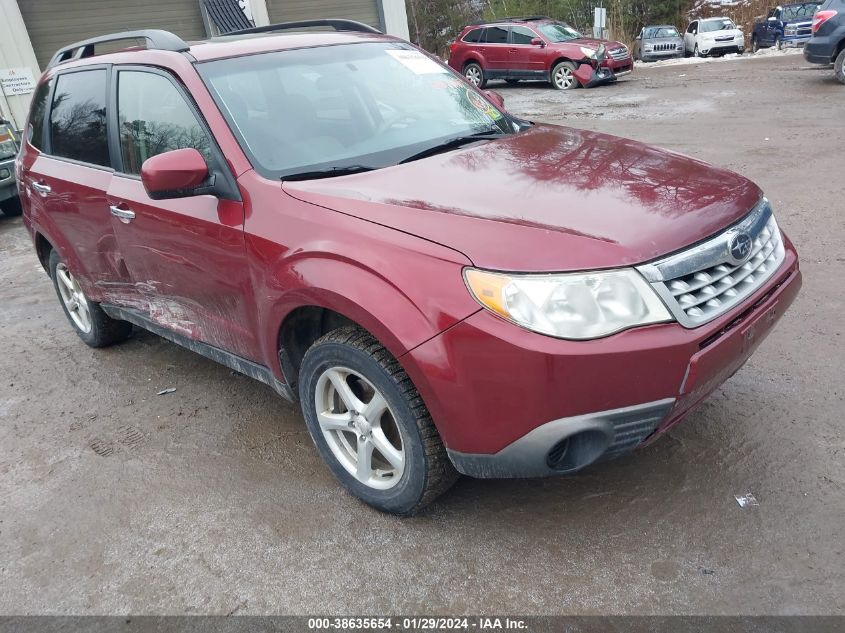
[821, 17]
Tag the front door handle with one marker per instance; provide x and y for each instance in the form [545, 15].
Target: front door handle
[124, 215]
[43, 190]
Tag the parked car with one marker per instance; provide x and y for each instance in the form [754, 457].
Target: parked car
[536, 48]
[827, 45]
[713, 36]
[9, 203]
[658, 42]
[785, 26]
[445, 288]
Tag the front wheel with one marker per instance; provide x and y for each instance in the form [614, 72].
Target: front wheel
[11, 207]
[696, 52]
[563, 76]
[91, 323]
[475, 75]
[370, 424]
[755, 45]
[778, 43]
[839, 67]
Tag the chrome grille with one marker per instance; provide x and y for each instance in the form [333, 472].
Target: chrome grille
[619, 53]
[664, 47]
[706, 281]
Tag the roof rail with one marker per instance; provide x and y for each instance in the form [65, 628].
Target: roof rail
[528, 18]
[156, 39]
[336, 24]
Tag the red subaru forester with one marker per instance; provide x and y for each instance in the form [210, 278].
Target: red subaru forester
[537, 48]
[443, 286]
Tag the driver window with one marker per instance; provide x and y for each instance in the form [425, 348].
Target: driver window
[154, 118]
[692, 28]
[522, 35]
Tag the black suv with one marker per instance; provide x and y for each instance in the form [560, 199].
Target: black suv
[827, 46]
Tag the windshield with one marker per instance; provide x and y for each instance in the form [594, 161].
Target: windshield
[660, 31]
[709, 26]
[358, 106]
[796, 11]
[559, 32]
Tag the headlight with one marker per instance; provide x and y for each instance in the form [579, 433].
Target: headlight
[588, 52]
[571, 306]
[648, 47]
[8, 149]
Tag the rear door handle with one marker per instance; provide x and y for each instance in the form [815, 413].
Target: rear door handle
[124, 215]
[43, 190]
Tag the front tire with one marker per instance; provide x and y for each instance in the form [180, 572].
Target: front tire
[370, 424]
[11, 207]
[89, 321]
[778, 43]
[755, 45]
[696, 52]
[563, 76]
[839, 67]
[474, 74]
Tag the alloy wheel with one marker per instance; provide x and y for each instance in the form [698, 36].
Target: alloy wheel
[359, 428]
[473, 75]
[564, 78]
[74, 299]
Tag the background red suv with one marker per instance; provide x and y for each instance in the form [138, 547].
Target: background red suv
[444, 287]
[536, 48]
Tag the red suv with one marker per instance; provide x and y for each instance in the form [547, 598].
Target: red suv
[444, 287]
[530, 48]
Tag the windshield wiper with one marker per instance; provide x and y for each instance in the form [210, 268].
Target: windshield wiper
[452, 143]
[329, 172]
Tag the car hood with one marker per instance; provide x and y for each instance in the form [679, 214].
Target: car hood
[547, 199]
[589, 42]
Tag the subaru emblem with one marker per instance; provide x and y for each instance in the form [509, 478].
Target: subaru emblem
[740, 247]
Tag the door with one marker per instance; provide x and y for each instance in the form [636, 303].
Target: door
[689, 37]
[494, 47]
[525, 58]
[186, 256]
[69, 179]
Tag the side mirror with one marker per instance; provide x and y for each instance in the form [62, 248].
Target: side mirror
[695, 32]
[773, 19]
[538, 42]
[496, 98]
[175, 174]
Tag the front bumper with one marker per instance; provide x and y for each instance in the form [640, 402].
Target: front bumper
[512, 403]
[723, 49]
[653, 56]
[8, 188]
[620, 67]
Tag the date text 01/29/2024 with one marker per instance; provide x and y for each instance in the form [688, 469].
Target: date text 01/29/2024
[417, 623]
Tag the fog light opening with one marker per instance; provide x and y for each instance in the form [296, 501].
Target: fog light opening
[577, 451]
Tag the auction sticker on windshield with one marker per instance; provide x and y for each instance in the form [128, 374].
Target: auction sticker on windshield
[482, 105]
[417, 62]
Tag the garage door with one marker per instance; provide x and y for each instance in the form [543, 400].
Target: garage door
[365, 11]
[56, 23]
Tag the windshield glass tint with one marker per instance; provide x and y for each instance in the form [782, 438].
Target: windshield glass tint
[710, 26]
[370, 105]
[797, 11]
[559, 32]
[661, 31]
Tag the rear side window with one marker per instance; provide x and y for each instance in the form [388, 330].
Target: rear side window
[496, 35]
[522, 35]
[37, 115]
[78, 117]
[153, 118]
[473, 36]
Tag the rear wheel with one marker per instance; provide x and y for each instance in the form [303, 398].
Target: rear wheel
[11, 207]
[370, 425]
[94, 327]
[839, 67]
[475, 75]
[563, 76]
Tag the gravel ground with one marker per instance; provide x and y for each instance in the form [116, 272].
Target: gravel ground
[212, 499]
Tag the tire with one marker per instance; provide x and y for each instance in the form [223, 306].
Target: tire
[778, 43]
[563, 78]
[839, 67]
[696, 52]
[11, 207]
[419, 471]
[474, 74]
[98, 329]
[755, 45]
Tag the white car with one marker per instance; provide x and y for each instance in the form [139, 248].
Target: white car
[713, 36]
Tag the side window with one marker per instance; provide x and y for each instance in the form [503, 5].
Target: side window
[37, 115]
[496, 35]
[473, 36]
[692, 27]
[78, 118]
[522, 35]
[154, 118]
